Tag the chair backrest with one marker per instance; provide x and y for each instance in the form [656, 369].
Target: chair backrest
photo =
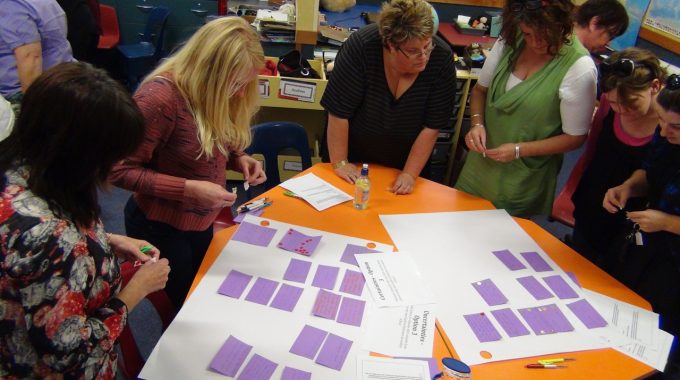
[563, 207]
[109, 27]
[269, 139]
[154, 31]
[131, 359]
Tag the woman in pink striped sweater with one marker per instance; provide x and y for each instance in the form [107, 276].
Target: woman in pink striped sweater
[197, 105]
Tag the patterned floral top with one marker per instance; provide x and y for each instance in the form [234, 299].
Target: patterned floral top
[57, 317]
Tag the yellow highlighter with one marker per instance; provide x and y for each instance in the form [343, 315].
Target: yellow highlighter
[555, 360]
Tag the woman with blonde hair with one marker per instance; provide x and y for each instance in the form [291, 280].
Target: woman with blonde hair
[197, 106]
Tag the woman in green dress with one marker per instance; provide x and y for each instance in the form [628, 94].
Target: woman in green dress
[533, 101]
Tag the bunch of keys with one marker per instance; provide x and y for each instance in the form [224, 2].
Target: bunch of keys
[636, 235]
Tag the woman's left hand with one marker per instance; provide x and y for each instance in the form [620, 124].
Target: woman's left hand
[404, 184]
[503, 153]
[251, 169]
[649, 220]
[130, 249]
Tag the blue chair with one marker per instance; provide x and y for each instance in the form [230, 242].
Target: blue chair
[140, 58]
[270, 139]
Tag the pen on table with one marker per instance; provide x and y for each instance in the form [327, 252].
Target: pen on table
[289, 193]
[555, 360]
[249, 208]
[546, 366]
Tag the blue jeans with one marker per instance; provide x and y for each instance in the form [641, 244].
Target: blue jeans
[183, 249]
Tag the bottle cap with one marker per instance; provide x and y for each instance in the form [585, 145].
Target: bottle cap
[364, 169]
[455, 365]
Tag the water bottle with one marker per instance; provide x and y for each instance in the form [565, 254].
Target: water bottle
[361, 189]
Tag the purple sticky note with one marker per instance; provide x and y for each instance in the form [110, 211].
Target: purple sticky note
[490, 292]
[308, 342]
[296, 241]
[351, 311]
[587, 314]
[258, 368]
[290, 373]
[431, 362]
[351, 250]
[235, 283]
[510, 261]
[326, 304]
[334, 352]
[325, 277]
[254, 234]
[353, 282]
[482, 327]
[547, 319]
[297, 271]
[287, 297]
[510, 322]
[239, 218]
[531, 284]
[262, 291]
[536, 261]
[230, 357]
[560, 287]
[572, 275]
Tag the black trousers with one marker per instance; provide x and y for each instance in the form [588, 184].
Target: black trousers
[183, 249]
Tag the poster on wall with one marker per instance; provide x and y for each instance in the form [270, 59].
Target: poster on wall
[663, 16]
[636, 11]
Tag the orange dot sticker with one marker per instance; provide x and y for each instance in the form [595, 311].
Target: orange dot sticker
[264, 223]
[371, 245]
[485, 354]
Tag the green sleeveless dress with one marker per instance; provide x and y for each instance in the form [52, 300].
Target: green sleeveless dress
[529, 111]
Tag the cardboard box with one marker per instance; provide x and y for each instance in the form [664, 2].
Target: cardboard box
[287, 92]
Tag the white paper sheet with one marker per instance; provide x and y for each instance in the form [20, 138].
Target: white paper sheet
[207, 318]
[317, 192]
[632, 330]
[402, 331]
[394, 280]
[375, 368]
[454, 250]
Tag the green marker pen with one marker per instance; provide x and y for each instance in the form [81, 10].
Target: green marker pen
[146, 249]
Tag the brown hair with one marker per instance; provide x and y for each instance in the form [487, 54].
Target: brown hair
[402, 20]
[647, 68]
[553, 20]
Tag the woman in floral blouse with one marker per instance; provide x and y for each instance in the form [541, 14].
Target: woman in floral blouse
[61, 306]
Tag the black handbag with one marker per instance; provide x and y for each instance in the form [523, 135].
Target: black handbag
[292, 64]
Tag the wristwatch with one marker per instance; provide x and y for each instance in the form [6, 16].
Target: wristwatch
[340, 164]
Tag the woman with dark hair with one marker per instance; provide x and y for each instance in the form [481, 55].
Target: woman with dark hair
[652, 269]
[533, 101]
[62, 306]
[618, 141]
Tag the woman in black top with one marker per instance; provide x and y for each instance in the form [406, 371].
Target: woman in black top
[618, 142]
[391, 90]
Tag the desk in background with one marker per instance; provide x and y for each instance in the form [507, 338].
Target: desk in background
[433, 197]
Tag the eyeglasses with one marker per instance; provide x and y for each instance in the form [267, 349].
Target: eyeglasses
[415, 53]
[673, 82]
[529, 5]
[622, 68]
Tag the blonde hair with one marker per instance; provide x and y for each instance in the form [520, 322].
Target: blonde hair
[208, 71]
[402, 20]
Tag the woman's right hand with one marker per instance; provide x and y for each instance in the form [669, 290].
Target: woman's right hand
[151, 276]
[615, 199]
[476, 139]
[209, 195]
[348, 172]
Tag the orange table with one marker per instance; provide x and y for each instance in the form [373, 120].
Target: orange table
[433, 197]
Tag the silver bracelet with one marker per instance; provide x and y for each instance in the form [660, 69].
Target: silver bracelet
[516, 151]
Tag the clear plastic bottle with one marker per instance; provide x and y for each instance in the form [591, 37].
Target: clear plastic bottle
[362, 189]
